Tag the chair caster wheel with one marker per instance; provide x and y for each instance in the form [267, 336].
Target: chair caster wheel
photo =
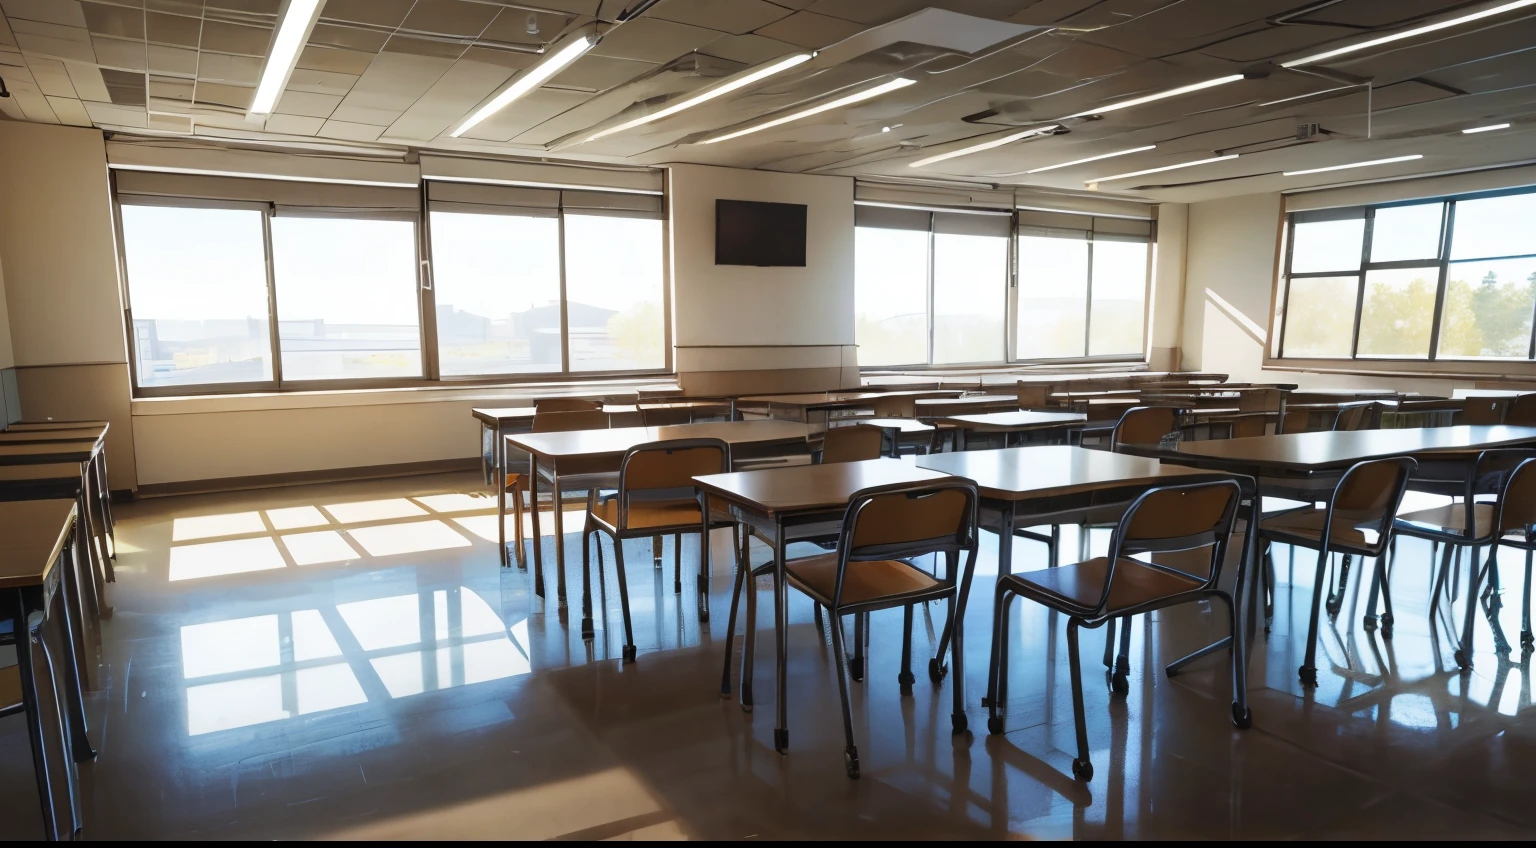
[995, 725]
[587, 632]
[1462, 659]
[703, 616]
[1171, 671]
[856, 668]
[1527, 640]
[906, 679]
[1243, 718]
[1369, 622]
[1308, 676]
[1120, 683]
[1082, 770]
[629, 653]
[936, 670]
[1386, 631]
[781, 742]
[851, 762]
[959, 724]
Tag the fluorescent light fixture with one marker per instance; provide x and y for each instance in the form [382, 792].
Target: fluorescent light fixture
[292, 31]
[1488, 128]
[1164, 168]
[1356, 165]
[986, 145]
[1410, 33]
[1172, 92]
[552, 63]
[866, 94]
[1093, 159]
[729, 86]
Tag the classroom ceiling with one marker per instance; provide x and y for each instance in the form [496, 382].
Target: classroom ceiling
[404, 73]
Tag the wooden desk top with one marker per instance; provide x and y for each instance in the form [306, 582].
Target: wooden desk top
[1017, 474]
[901, 425]
[25, 426]
[32, 535]
[29, 453]
[1331, 449]
[810, 488]
[497, 416]
[973, 400]
[78, 434]
[830, 400]
[1014, 421]
[53, 472]
[617, 440]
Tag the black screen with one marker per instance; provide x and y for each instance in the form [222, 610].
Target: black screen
[764, 234]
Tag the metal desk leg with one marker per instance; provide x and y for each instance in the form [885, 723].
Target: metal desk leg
[1246, 611]
[937, 668]
[781, 639]
[538, 537]
[1004, 568]
[559, 521]
[703, 559]
[17, 607]
[69, 597]
[500, 488]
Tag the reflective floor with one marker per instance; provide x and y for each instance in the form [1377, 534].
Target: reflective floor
[348, 660]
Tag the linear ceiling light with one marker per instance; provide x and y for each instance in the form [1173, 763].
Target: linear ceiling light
[816, 110]
[292, 31]
[1410, 33]
[1164, 168]
[1488, 128]
[739, 82]
[1172, 92]
[1092, 159]
[1356, 165]
[986, 145]
[552, 63]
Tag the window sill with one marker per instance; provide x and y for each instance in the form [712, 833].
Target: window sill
[503, 395]
[1443, 369]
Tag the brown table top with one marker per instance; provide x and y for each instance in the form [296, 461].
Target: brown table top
[56, 425]
[1015, 421]
[52, 472]
[973, 400]
[810, 488]
[902, 425]
[1016, 474]
[828, 400]
[617, 440]
[1332, 448]
[32, 535]
[27, 453]
[77, 434]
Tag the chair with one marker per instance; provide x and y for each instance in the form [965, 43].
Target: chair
[566, 404]
[1514, 526]
[1482, 410]
[882, 528]
[1521, 411]
[1356, 521]
[1143, 425]
[1168, 520]
[1354, 417]
[852, 443]
[1469, 524]
[552, 422]
[650, 503]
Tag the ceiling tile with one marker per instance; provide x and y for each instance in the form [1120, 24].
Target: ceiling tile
[224, 37]
[811, 30]
[885, 11]
[222, 67]
[423, 47]
[449, 17]
[465, 85]
[87, 81]
[321, 82]
[171, 88]
[6, 38]
[748, 49]
[575, 7]
[116, 53]
[395, 80]
[600, 73]
[308, 104]
[650, 40]
[294, 124]
[511, 27]
[53, 41]
[162, 122]
[191, 8]
[104, 19]
[737, 17]
[125, 87]
[175, 30]
[350, 132]
[365, 115]
[333, 59]
[531, 111]
[33, 103]
[218, 94]
[385, 13]
[348, 37]
[70, 111]
[179, 61]
[65, 12]
[51, 77]
[122, 116]
[268, 8]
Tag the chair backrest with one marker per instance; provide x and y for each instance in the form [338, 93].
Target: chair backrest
[1253, 425]
[852, 444]
[668, 466]
[1172, 519]
[903, 406]
[1482, 410]
[1521, 411]
[1516, 510]
[1368, 496]
[560, 422]
[661, 416]
[1144, 425]
[1353, 417]
[907, 520]
[561, 404]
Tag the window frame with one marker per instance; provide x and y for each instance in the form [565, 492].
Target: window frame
[431, 376]
[1280, 313]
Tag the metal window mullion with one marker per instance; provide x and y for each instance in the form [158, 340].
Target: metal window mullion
[931, 316]
[1365, 253]
[1285, 299]
[1447, 222]
[565, 311]
[274, 340]
[426, 293]
[1011, 293]
[1088, 300]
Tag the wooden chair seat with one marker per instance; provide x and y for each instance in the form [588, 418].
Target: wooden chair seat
[655, 517]
[514, 481]
[1448, 521]
[1078, 587]
[864, 583]
[1305, 527]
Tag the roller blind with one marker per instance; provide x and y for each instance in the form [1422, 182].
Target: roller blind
[316, 196]
[493, 199]
[542, 174]
[612, 204]
[891, 217]
[962, 224]
[1066, 225]
[979, 197]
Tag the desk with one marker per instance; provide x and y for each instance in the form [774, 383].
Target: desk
[596, 454]
[84, 454]
[56, 431]
[36, 541]
[930, 408]
[769, 501]
[1023, 486]
[1009, 423]
[801, 405]
[895, 428]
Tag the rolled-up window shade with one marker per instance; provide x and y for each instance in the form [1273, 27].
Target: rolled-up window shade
[1121, 229]
[310, 195]
[891, 218]
[542, 174]
[972, 224]
[1054, 225]
[494, 199]
[611, 204]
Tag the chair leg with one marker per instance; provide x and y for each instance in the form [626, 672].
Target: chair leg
[995, 671]
[1464, 652]
[749, 644]
[656, 551]
[517, 526]
[856, 665]
[1109, 643]
[629, 630]
[677, 564]
[1082, 767]
[1269, 583]
[1384, 577]
[1378, 574]
[1053, 548]
[1439, 585]
[730, 618]
[850, 753]
[1308, 670]
[1493, 603]
[1336, 599]
[1526, 638]
[905, 678]
[1121, 681]
[958, 723]
[587, 631]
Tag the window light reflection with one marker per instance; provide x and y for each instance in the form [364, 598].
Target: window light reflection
[407, 538]
[296, 517]
[381, 510]
[484, 526]
[321, 546]
[258, 700]
[222, 647]
[455, 502]
[209, 526]
[214, 559]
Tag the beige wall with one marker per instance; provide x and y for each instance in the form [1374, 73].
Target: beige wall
[7, 356]
[1165, 313]
[730, 321]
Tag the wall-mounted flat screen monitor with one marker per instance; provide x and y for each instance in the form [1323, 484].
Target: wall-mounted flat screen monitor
[764, 234]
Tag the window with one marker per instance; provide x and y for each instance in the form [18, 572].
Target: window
[1444, 279]
[240, 284]
[1082, 286]
[930, 287]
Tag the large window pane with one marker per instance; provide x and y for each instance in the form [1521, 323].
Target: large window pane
[1320, 316]
[1118, 317]
[1488, 307]
[1053, 297]
[1327, 246]
[346, 298]
[498, 293]
[613, 283]
[970, 297]
[1397, 313]
[890, 292]
[1494, 226]
[197, 285]
[1401, 233]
